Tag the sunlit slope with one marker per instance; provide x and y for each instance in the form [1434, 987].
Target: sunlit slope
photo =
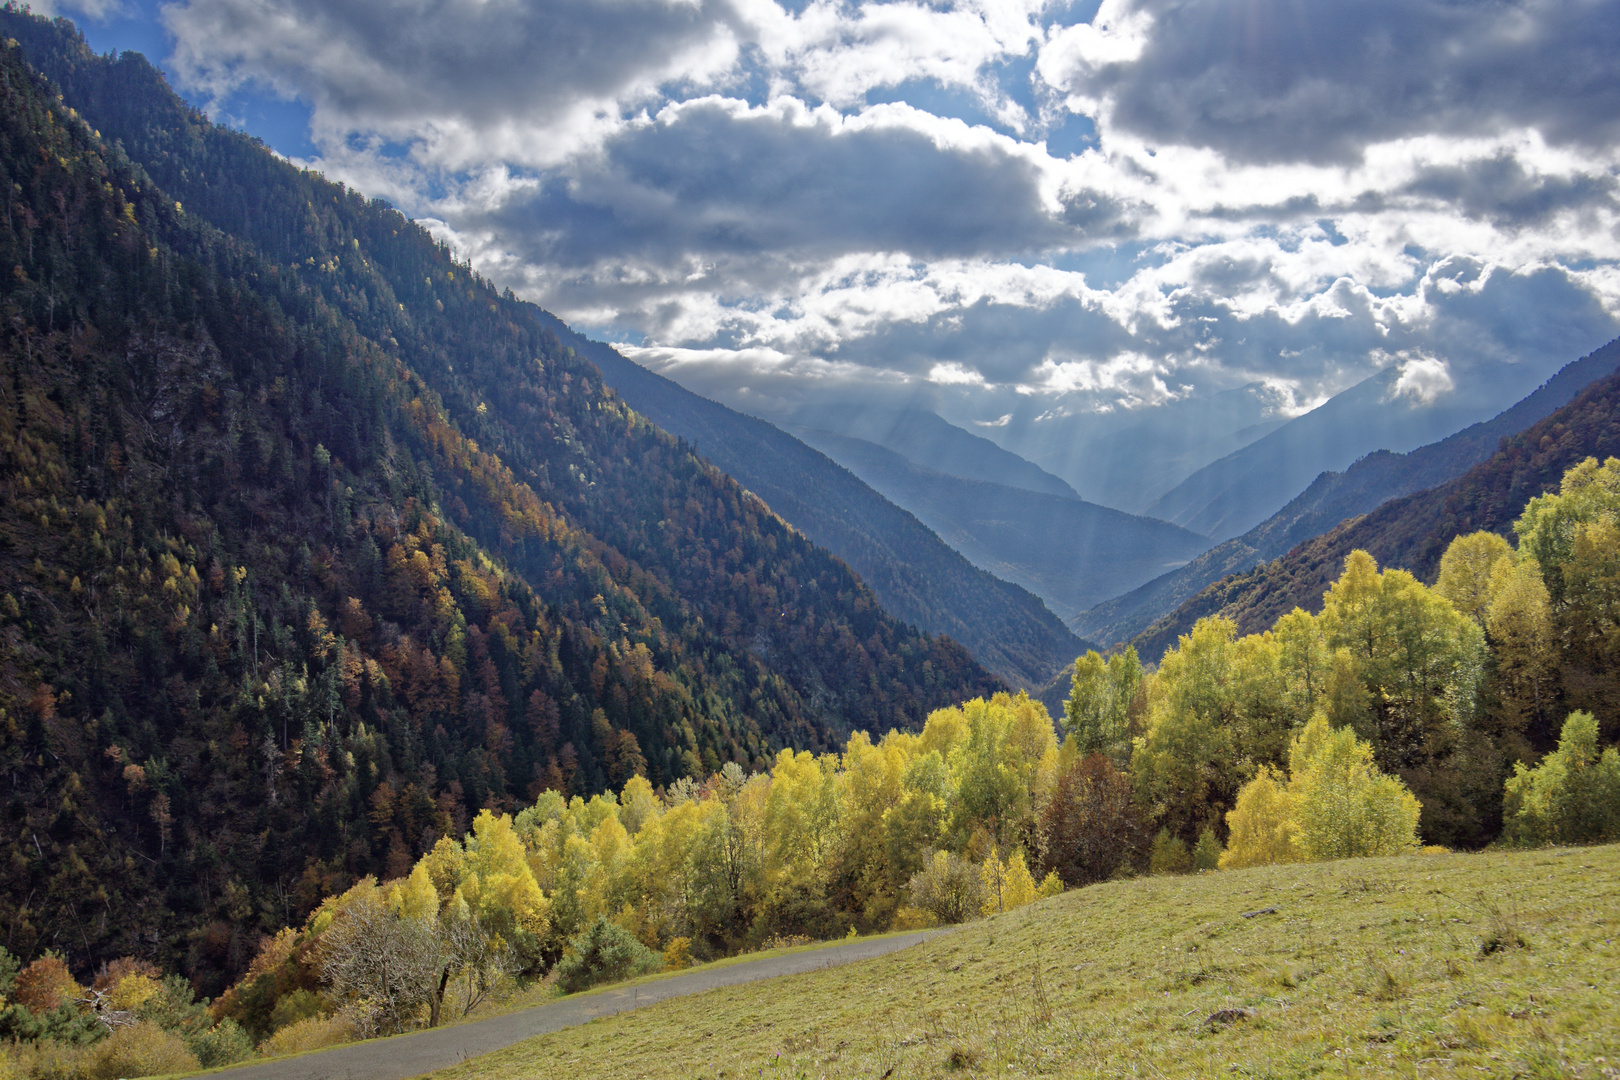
[1502, 964]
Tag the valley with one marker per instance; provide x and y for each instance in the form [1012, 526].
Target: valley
[1175, 681]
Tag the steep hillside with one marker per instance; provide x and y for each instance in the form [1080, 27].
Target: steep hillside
[313, 543]
[1070, 553]
[1231, 496]
[916, 575]
[1412, 532]
[1332, 497]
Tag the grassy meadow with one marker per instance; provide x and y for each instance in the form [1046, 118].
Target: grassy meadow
[1494, 964]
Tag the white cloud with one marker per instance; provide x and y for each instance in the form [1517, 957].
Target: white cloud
[1273, 193]
[1423, 378]
[954, 374]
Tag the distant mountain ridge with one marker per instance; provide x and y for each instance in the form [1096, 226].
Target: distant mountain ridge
[1126, 459]
[929, 440]
[1069, 552]
[1412, 532]
[1231, 496]
[917, 575]
[1333, 497]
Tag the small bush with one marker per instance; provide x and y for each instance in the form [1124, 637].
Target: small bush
[139, 1050]
[949, 887]
[1168, 855]
[910, 917]
[313, 1033]
[1206, 853]
[603, 953]
[225, 1043]
[785, 941]
[50, 1060]
[1051, 885]
[295, 1006]
[678, 954]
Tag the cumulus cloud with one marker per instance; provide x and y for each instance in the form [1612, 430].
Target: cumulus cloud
[777, 203]
[1423, 378]
[465, 81]
[1276, 80]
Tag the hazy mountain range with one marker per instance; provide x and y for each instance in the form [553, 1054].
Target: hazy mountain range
[1334, 496]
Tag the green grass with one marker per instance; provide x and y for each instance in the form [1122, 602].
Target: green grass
[1497, 964]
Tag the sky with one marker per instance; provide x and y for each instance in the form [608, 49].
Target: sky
[1010, 211]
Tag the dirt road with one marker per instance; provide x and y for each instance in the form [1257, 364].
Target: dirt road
[424, 1051]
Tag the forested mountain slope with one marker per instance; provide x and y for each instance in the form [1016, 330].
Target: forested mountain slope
[916, 575]
[1332, 497]
[1412, 532]
[312, 543]
[1070, 553]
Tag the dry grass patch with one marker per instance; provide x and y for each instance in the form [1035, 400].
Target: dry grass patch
[1498, 964]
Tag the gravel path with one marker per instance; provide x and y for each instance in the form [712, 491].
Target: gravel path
[425, 1051]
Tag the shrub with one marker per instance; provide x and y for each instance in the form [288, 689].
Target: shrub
[139, 1050]
[1572, 797]
[1051, 885]
[1168, 854]
[225, 1043]
[601, 953]
[50, 1060]
[678, 954]
[312, 1033]
[1206, 854]
[1260, 825]
[64, 1025]
[295, 1006]
[911, 917]
[1007, 885]
[1343, 804]
[948, 887]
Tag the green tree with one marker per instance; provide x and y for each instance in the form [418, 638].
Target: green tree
[1572, 797]
[1342, 805]
[1260, 827]
[1467, 571]
[995, 766]
[1184, 766]
[1336, 805]
[1096, 714]
[1519, 625]
[1418, 656]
